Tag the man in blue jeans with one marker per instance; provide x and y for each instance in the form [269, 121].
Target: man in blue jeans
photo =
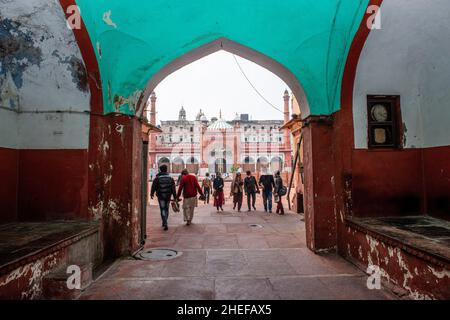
[267, 183]
[164, 187]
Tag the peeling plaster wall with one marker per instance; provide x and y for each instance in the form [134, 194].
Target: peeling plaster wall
[410, 274]
[8, 129]
[41, 70]
[54, 131]
[24, 281]
[44, 113]
[114, 181]
[408, 57]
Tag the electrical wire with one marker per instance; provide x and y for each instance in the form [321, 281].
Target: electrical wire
[254, 88]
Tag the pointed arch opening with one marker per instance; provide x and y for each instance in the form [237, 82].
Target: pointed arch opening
[235, 48]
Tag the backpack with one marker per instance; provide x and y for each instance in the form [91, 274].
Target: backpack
[251, 182]
[283, 191]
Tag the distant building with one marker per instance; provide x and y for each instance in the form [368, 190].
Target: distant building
[217, 145]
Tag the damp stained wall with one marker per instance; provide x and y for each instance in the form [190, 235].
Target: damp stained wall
[41, 74]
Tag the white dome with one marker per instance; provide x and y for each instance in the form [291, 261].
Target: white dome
[220, 125]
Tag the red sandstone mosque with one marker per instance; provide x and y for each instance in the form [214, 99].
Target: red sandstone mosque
[217, 145]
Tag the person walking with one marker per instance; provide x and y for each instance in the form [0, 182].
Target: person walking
[219, 197]
[190, 188]
[207, 186]
[251, 189]
[237, 191]
[164, 187]
[279, 193]
[267, 183]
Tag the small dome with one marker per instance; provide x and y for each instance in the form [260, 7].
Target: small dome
[237, 118]
[220, 125]
[203, 118]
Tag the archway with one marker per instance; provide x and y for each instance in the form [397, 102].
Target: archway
[249, 164]
[178, 165]
[164, 161]
[113, 133]
[276, 164]
[220, 165]
[262, 163]
[193, 165]
[235, 48]
[322, 69]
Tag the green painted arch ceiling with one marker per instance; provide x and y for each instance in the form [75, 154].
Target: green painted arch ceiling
[134, 39]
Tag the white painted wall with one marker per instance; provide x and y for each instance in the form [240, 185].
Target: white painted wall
[410, 57]
[67, 131]
[44, 76]
[8, 129]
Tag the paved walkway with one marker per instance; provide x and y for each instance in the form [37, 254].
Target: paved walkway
[224, 258]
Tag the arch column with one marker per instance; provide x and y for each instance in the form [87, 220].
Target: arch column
[320, 216]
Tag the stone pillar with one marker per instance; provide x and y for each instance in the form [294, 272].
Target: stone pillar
[236, 148]
[320, 215]
[115, 182]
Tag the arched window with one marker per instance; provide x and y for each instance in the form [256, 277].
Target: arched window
[193, 165]
[276, 164]
[178, 165]
[164, 161]
[262, 162]
[249, 164]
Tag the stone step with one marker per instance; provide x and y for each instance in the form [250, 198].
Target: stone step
[60, 283]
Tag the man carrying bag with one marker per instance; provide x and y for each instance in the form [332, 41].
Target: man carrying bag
[165, 189]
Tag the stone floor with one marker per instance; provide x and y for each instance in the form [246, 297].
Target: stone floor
[224, 258]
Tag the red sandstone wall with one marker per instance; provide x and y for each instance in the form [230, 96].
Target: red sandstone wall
[437, 181]
[52, 185]
[9, 183]
[387, 183]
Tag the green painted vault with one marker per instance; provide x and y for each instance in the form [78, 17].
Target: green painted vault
[134, 39]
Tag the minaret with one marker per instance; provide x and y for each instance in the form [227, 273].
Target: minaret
[152, 146]
[287, 98]
[287, 136]
[153, 108]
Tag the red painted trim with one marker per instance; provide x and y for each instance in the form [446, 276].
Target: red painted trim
[351, 65]
[90, 60]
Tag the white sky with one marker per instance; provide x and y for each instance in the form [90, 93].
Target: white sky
[215, 82]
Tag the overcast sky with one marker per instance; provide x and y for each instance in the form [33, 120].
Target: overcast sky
[215, 82]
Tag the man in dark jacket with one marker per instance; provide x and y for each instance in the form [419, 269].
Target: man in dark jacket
[279, 192]
[267, 182]
[164, 187]
[250, 188]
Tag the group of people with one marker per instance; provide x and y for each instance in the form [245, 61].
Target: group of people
[165, 188]
[272, 187]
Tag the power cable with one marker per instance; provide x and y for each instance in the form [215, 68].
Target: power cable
[254, 88]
